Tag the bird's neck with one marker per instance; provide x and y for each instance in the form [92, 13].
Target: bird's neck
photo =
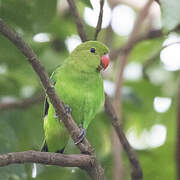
[73, 74]
[80, 68]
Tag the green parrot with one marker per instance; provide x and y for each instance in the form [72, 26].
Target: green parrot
[79, 84]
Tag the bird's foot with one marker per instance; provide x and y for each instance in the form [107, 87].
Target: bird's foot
[61, 151]
[68, 109]
[81, 136]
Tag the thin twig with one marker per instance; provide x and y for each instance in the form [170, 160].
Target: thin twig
[73, 160]
[78, 21]
[170, 44]
[135, 165]
[149, 61]
[137, 26]
[99, 23]
[22, 104]
[149, 35]
[95, 171]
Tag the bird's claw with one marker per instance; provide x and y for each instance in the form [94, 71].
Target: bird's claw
[68, 109]
[81, 136]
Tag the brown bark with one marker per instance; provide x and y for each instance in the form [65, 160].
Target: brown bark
[78, 21]
[73, 160]
[133, 159]
[99, 23]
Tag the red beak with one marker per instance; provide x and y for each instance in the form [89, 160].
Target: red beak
[105, 61]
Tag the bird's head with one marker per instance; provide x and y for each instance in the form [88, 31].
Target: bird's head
[92, 55]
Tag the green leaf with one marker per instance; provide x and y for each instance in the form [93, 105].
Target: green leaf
[87, 3]
[139, 103]
[42, 13]
[28, 15]
[170, 13]
[146, 49]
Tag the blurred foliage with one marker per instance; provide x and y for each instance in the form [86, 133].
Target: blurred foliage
[170, 13]
[22, 130]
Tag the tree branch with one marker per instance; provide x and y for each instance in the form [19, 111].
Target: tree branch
[135, 165]
[95, 171]
[115, 110]
[73, 160]
[124, 58]
[99, 23]
[78, 21]
[149, 35]
[25, 103]
[49, 89]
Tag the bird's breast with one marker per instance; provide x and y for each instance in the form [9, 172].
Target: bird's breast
[84, 97]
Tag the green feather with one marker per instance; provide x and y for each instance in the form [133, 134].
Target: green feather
[79, 85]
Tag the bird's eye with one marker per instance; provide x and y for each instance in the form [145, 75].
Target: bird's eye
[93, 50]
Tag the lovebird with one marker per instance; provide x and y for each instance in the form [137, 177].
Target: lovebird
[79, 84]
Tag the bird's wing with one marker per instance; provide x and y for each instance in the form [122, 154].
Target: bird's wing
[53, 81]
[44, 147]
